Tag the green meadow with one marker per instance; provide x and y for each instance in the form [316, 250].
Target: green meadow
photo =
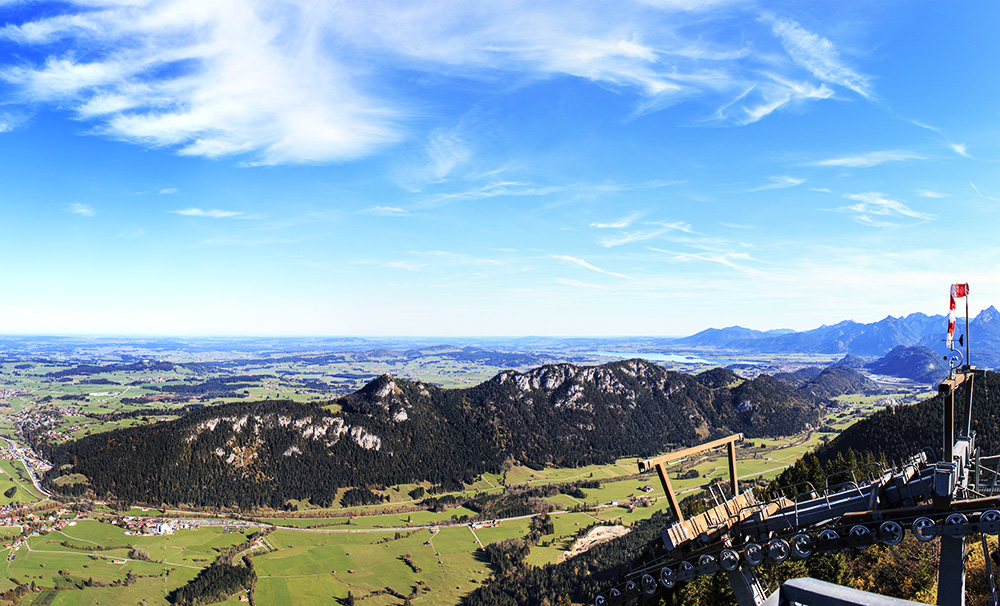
[378, 552]
[321, 559]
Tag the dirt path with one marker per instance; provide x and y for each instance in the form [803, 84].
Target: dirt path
[601, 534]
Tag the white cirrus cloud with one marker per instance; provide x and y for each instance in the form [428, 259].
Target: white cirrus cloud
[819, 55]
[960, 149]
[132, 233]
[79, 208]
[10, 121]
[766, 95]
[869, 159]
[728, 259]
[443, 257]
[434, 261]
[926, 193]
[577, 283]
[441, 155]
[299, 81]
[383, 211]
[878, 210]
[206, 79]
[580, 262]
[491, 190]
[166, 191]
[214, 213]
[618, 224]
[654, 229]
[981, 194]
[781, 182]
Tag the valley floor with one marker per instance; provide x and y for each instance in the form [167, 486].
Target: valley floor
[371, 552]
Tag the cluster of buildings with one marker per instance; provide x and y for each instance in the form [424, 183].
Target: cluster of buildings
[45, 422]
[33, 418]
[13, 393]
[142, 526]
[37, 466]
[632, 502]
[32, 524]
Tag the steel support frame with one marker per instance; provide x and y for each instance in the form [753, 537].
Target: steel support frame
[659, 463]
[746, 587]
[951, 572]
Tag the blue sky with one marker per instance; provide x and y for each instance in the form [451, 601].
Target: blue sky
[493, 168]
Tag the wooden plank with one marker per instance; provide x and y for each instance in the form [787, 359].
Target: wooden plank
[732, 469]
[952, 383]
[721, 518]
[669, 490]
[686, 452]
[660, 464]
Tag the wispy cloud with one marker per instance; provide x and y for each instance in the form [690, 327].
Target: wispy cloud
[981, 194]
[820, 56]
[926, 126]
[218, 79]
[383, 211]
[132, 233]
[877, 210]
[214, 213]
[443, 256]
[401, 265]
[869, 159]
[577, 283]
[78, 208]
[764, 96]
[9, 122]
[435, 261]
[619, 224]
[445, 151]
[959, 148]
[168, 190]
[654, 230]
[728, 259]
[781, 182]
[252, 240]
[926, 193]
[295, 81]
[585, 265]
[490, 190]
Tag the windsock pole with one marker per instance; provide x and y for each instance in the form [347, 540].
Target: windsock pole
[957, 291]
[968, 360]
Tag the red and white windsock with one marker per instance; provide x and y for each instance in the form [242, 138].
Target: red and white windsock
[957, 290]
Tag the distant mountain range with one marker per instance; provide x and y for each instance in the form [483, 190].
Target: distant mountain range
[836, 380]
[917, 363]
[869, 340]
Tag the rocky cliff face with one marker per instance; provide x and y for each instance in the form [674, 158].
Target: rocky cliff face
[395, 431]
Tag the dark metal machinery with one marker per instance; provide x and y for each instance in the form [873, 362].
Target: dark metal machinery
[947, 499]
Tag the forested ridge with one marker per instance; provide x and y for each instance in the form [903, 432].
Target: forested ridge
[907, 571]
[395, 431]
[898, 432]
